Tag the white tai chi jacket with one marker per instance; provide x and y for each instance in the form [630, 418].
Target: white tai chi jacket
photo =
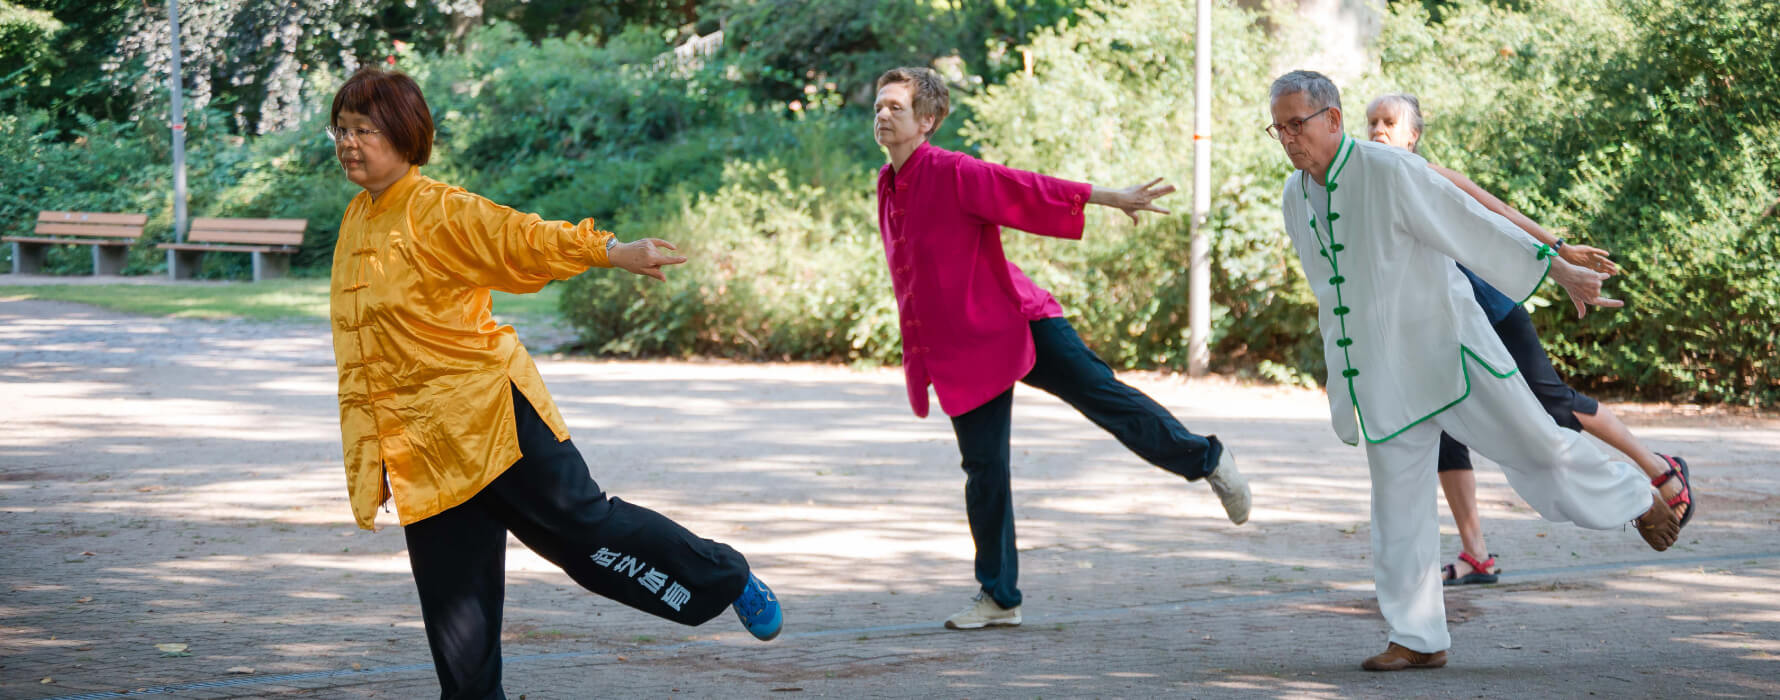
[1402, 333]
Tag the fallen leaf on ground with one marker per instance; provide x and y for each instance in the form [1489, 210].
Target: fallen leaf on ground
[241, 669]
[47, 680]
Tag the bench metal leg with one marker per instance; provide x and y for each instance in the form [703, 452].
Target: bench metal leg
[110, 259]
[183, 264]
[268, 266]
[27, 258]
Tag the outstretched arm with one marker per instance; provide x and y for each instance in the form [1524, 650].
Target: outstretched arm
[1453, 222]
[1579, 255]
[497, 247]
[1043, 204]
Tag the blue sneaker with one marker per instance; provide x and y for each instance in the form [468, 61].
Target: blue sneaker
[759, 610]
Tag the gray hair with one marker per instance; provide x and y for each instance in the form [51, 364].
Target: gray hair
[1407, 101]
[1316, 86]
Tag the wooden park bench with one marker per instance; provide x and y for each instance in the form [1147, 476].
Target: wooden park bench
[271, 242]
[110, 235]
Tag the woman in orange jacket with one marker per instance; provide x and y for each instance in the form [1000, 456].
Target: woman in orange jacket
[443, 412]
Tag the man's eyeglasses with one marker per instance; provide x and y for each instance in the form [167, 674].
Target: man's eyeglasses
[1293, 127]
[340, 134]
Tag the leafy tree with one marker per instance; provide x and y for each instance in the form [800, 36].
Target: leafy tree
[248, 56]
[1650, 128]
[788, 45]
[1110, 100]
[51, 53]
[540, 19]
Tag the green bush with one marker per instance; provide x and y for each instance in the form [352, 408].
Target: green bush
[784, 262]
[1110, 101]
[1650, 129]
[106, 167]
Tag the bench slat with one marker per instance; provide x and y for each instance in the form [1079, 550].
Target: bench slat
[254, 237]
[91, 218]
[64, 241]
[228, 248]
[281, 225]
[90, 230]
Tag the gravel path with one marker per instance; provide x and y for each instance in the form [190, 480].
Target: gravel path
[167, 481]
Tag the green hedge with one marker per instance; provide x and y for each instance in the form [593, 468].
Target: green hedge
[1649, 127]
[1110, 100]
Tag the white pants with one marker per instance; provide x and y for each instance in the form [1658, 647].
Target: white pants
[1559, 473]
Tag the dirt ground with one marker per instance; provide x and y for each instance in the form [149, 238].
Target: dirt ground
[175, 482]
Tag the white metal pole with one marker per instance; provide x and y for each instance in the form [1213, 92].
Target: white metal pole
[1199, 281]
[178, 88]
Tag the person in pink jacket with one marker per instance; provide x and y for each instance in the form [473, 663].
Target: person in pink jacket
[973, 325]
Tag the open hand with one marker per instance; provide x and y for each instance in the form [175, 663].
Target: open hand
[1589, 257]
[1135, 198]
[644, 256]
[1584, 286]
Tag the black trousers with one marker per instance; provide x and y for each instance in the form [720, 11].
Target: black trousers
[1069, 370]
[1563, 403]
[547, 499]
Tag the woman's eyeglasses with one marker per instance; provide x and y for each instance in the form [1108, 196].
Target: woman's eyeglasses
[342, 134]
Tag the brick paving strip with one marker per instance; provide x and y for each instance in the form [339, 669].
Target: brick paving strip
[172, 481]
[810, 643]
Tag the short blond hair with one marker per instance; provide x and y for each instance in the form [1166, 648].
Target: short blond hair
[932, 97]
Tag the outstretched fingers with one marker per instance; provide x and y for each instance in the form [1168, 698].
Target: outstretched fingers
[1143, 198]
[646, 256]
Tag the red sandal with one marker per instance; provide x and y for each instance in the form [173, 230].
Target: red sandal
[1481, 571]
[1677, 469]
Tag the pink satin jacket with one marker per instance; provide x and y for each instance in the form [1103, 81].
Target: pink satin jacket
[964, 308]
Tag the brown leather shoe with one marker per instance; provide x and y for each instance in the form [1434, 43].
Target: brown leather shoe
[1397, 657]
[1658, 526]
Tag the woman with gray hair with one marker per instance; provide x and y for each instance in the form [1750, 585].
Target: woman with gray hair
[1396, 120]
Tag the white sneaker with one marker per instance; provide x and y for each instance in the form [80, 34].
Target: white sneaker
[984, 612]
[1231, 487]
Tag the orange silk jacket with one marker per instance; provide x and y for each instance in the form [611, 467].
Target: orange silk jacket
[424, 368]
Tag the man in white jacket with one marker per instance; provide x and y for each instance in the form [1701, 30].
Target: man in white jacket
[1410, 354]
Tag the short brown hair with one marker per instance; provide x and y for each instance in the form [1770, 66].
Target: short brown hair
[932, 97]
[393, 102]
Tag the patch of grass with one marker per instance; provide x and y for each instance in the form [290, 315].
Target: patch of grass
[260, 301]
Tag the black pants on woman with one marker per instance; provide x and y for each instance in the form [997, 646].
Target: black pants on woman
[1069, 370]
[547, 499]
[1563, 403]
